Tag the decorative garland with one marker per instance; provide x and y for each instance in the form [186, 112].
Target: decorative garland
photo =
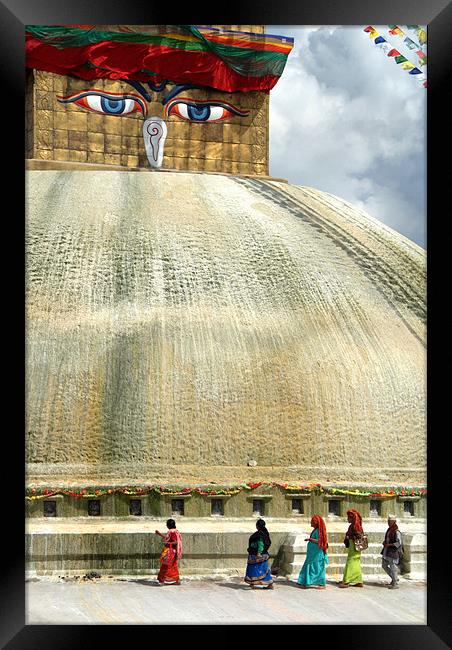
[316, 488]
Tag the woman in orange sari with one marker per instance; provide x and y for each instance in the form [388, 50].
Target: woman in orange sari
[170, 555]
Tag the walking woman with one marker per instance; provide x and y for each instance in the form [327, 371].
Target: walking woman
[170, 555]
[257, 569]
[313, 571]
[352, 572]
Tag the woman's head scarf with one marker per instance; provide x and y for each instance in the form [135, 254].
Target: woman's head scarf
[317, 522]
[356, 525]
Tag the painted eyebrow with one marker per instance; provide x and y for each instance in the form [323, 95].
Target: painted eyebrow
[139, 88]
[178, 89]
[158, 88]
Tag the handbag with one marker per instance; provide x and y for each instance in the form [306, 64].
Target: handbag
[361, 542]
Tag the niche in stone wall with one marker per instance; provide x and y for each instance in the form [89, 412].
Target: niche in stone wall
[50, 509]
[375, 508]
[258, 508]
[135, 507]
[177, 507]
[334, 508]
[94, 508]
[216, 507]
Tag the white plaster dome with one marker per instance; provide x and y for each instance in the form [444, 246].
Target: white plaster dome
[180, 324]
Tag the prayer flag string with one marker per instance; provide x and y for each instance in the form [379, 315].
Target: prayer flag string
[385, 46]
[395, 30]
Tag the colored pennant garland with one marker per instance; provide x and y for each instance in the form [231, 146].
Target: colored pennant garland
[316, 488]
[395, 30]
[420, 32]
[391, 51]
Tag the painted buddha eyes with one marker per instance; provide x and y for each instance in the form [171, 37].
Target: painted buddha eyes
[123, 104]
[201, 111]
[106, 103]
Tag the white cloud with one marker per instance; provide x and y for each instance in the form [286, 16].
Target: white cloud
[345, 118]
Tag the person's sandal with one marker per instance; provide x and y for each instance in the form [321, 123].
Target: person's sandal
[343, 585]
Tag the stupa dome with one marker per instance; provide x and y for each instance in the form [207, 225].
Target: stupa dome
[181, 324]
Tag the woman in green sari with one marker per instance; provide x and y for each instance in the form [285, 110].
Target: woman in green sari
[352, 572]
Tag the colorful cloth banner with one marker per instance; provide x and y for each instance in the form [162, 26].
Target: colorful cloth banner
[392, 52]
[184, 54]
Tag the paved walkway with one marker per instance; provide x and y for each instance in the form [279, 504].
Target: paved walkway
[229, 600]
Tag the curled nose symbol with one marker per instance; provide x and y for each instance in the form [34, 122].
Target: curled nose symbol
[154, 134]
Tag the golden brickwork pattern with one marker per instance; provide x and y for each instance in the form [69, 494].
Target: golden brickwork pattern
[67, 132]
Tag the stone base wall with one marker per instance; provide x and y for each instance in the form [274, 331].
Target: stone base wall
[208, 554]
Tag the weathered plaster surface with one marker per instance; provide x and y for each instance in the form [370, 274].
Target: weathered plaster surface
[180, 324]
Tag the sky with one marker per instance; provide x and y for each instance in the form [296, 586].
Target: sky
[347, 119]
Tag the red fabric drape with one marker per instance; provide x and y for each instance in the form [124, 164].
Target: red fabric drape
[127, 62]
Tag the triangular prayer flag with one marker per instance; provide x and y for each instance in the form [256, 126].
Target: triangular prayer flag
[409, 43]
[394, 52]
[380, 39]
[415, 71]
[422, 34]
[408, 65]
[401, 59]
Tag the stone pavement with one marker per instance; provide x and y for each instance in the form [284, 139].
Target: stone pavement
[141, 600]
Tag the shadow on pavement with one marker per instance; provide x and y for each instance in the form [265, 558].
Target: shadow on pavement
[147, 582]
[235, 585]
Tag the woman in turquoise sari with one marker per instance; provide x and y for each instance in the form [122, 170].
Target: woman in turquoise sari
[313, 571]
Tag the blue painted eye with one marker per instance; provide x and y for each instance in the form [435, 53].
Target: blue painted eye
[114, 106]
[106, 103]
[206, 111]
[198, 112]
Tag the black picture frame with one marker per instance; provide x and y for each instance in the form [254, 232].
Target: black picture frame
[437, 15]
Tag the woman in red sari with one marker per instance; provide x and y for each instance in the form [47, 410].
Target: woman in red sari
[170, 555]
